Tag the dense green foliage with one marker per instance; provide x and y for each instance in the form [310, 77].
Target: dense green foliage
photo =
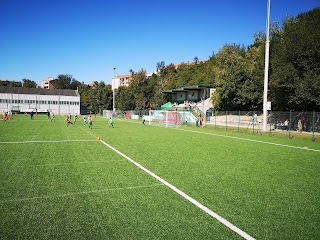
[96, 97]
[10, 83]
[236, 72]
[295, 63]
[27, 83]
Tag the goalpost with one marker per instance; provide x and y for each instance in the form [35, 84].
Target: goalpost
[167, 118]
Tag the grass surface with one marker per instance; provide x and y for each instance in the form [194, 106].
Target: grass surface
[59, 182]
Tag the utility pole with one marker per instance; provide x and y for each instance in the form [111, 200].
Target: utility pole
[113, 90]
[266, 72]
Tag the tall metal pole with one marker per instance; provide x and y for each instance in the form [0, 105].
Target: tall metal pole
[266, 72]
[113, 91]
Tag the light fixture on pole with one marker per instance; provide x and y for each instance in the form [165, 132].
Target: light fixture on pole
[113, 90]
[266, 73]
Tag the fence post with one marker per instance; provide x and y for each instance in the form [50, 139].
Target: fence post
[289, 124]
[253, 122]
[215, 119]
[270, 123]
[313, 125]
[226, 120]
[239, 121]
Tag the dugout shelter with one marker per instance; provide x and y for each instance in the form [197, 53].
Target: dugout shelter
[191, 93]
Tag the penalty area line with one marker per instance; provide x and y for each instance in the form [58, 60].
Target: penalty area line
[184, 195]
[50, 141]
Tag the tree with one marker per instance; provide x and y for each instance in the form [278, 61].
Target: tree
[231, 74]
[295, 63]
[75, 84]
[27, 83]
[125, 99]
[63, 81]
[97, 97]
[10, 83]
[160, 65]
[139, 87]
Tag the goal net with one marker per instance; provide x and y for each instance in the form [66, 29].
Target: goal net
[167, 118]
[107, 113]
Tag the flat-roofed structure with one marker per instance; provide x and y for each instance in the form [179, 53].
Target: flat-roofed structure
[192, 93]
[19, 99]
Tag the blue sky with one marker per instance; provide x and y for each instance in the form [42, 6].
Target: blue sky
[88, 38]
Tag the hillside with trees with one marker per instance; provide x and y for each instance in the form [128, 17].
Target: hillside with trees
[236, 72]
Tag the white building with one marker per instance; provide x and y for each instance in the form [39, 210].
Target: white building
[121, 80]
[124, 80]
[59, 101]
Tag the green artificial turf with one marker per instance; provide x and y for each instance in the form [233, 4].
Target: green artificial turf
[60, 182]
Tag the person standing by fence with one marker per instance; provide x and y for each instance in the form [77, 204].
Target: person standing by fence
[299, 125]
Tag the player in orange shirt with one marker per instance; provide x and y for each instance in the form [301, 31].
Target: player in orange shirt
[90, 121]
[68, 121]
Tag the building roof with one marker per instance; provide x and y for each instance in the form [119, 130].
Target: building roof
[38, 91]
[185, 89]
[122, 76]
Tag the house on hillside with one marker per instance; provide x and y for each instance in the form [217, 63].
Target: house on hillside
[47, 84]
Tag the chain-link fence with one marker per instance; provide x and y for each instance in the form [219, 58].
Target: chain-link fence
[299, 125]
[289, 124]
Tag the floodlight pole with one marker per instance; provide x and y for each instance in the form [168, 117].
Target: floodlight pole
[266, 72]
[113, 90]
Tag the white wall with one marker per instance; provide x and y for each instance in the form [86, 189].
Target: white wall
[25, 102]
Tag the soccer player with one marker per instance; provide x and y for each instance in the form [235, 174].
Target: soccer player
[52, 117]
[68, 121]
[84, 120]
[90, 121]
[111, 122]
[5, 116]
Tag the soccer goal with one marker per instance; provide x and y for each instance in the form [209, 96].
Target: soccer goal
[107, 113]
[167, 118]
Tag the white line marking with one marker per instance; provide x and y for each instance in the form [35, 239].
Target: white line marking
[190, 199]
[78, 193]
[251, 140]
[49, 141]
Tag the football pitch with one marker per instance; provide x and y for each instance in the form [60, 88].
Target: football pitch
[146, 182]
